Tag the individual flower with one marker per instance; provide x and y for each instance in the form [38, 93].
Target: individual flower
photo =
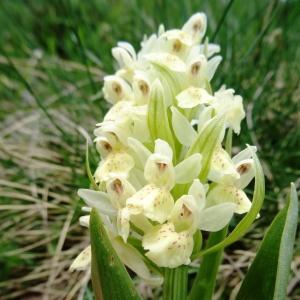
[232, 177]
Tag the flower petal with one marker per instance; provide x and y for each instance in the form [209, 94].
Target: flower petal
[163, 148]
[116, 89]
[159, 170]
[183, 130]
[192, 96]
[167, 248]
[99, 200]
[123, 225]
[222, 167]
[116, 164]
[118, 190]
[216, 217]
[229, 193]
[198, 191]
[187, 170]
[83, 260]
[166, 60]
[155, 203]
[244, 154]
[246, 170]
[185, 213]
[196, 26]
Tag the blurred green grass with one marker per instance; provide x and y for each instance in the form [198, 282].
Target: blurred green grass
[53, 55]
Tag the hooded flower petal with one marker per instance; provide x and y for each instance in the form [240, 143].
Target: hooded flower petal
[123, 57]
[246, 170]
[185, 214]
[168, 248]
[116, 89]
[118, 190]
[198, 191]
[141, 87]
[196, 26]
[159, 168]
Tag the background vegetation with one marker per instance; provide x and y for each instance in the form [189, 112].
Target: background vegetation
[53, 55]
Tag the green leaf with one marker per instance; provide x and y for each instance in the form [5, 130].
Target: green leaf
[206, 142]
[268, 275]
[204, 283]
[109, 276]
[245, 223]
[158, 121]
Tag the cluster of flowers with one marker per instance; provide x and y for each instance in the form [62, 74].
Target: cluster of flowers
[164, 174]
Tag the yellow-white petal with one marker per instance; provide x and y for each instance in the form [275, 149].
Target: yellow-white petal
[164, 149]
[118, 190]
[159, 171]
[123, 223]
[229, 193]
[98, 200]
[155, 203]
[244, 154]
[116, 89]
[216, 217]
[232, 106]
[84, 221]
[246, 170]
[123, 57]
[183, 130]
[115, 165]
[185, 214]
[222, 167]
[141, 87]
[192, 97]
[188, 169]
[196, 26]
[168, 248]
[82, 261]
[198, 191]
[166, 60]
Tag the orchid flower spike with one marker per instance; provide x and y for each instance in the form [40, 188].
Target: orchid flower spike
[163, 173]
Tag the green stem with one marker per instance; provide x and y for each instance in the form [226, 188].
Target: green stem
[204, 283]
[175, 284]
